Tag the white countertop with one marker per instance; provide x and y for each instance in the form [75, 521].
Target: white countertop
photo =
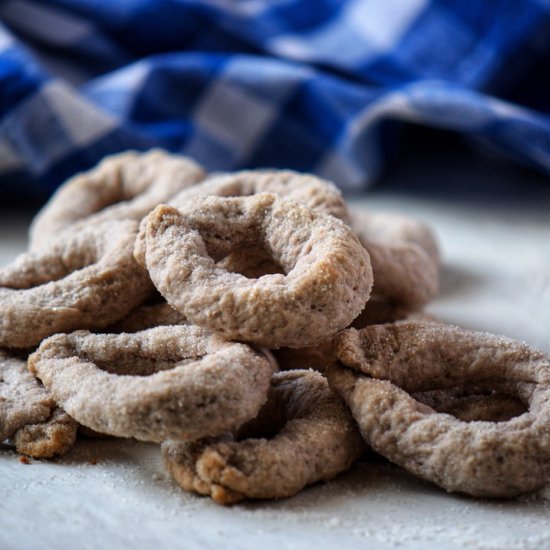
[496, 277]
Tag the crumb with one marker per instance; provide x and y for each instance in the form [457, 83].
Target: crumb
[24, 460]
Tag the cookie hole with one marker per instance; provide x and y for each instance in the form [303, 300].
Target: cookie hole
[271, 419]
[487, 406]
[138, 366]
[155, 298]
[251, 263]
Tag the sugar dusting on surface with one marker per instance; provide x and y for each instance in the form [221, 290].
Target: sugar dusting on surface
[127, 499]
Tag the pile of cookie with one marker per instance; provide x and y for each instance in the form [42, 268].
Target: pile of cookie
[259, 330]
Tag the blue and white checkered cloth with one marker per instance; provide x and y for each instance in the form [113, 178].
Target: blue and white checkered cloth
[304, 84]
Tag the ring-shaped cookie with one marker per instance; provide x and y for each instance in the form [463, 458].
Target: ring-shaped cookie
[302, 435]
[123, 186]
[86, 279]
[493, 459]
[328, 275]
[404, 257]
[177, 382]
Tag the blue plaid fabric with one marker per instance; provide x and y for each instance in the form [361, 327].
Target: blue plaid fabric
[309, 85]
